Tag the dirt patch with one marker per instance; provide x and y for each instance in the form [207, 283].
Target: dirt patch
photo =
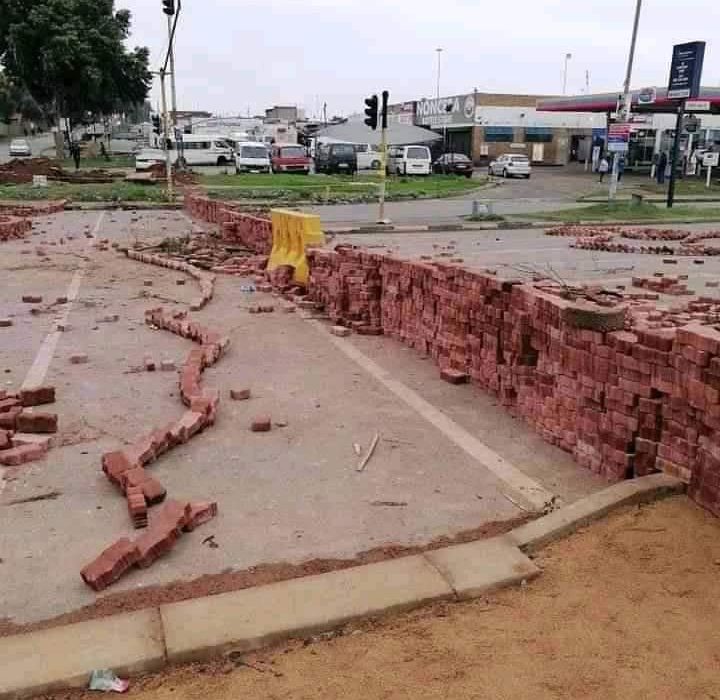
[629, 608]
[262, 575]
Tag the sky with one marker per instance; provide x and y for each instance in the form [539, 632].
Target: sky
[240, 56]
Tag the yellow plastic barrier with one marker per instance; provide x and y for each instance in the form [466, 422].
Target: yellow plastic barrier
[293, 234]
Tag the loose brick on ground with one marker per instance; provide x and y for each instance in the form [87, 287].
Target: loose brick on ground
[37, 396]
[37, 422]
[239, 394]
[262, 424]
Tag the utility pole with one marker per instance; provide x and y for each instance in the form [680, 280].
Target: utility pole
[675, 152]
[171, 51]
[568, 56]
[624, 112]
[439, 54]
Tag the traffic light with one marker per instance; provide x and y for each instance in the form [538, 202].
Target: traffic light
[169, 7]
[386, 97]
[371, 112]
[156, 123]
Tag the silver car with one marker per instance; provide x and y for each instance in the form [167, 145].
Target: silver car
[511, 165]
[20, 148]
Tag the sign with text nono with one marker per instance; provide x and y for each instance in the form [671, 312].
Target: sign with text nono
[686, 70]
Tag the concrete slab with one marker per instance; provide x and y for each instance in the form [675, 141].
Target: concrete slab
[64, 657]
[566, 520]
[475, 568]
[253, 618]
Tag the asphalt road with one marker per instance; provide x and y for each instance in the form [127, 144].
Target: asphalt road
[38, 145]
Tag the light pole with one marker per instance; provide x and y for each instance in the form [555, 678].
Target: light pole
[173, 94]
[568, 56]
[439, 54]
[624, 111]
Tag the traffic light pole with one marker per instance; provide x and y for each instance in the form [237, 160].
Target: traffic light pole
[383, 174]
[166, 133]
[171, 49]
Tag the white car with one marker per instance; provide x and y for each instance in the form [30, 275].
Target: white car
[511, 165]
[20, 148]
[409, 160]
[251, 157]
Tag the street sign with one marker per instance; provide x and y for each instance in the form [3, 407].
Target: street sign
[618, 138]
[711, 160]
[686, 70]
[697, 106]
[691, 124]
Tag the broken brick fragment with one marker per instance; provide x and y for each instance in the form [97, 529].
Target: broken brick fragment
[262, 424]
[239, 394]
[454, 376]
[199, 513]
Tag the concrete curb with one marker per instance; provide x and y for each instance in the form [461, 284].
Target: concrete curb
[123, 206]
[147, 640]
[567, 520]
[425, 228]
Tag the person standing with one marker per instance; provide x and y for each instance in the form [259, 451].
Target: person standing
[603, 167]
[75, 152]
[621, 168]
[661, 167]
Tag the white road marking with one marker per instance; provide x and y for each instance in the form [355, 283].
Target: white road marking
[37, 373]
[525, 489]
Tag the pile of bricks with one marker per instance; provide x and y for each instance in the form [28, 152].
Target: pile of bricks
[13, 227]
[606, 238]
[664, 284]
[24, 433]
[206, 281]
[33, 209]
[251, 230]
[126, 468]
[623, 402]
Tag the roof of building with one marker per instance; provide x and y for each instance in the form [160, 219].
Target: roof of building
[607, 102]
[397, 134]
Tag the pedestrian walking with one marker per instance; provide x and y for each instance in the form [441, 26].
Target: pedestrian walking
[75, 152]
[621, 168]
[661, 168]
[603, 167]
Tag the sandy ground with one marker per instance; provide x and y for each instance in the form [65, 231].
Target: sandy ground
[628, 608]
[287, 497]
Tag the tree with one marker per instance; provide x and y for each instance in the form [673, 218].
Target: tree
[71, 56]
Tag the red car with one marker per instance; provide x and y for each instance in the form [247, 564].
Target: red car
[288, 158]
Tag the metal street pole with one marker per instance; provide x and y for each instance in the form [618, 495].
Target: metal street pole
[383, 174]
[674, 156]
[439, 54]
[171, 49]
[624, 113]
[166, 133]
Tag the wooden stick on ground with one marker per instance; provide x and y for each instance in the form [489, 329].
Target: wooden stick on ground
[366, 458]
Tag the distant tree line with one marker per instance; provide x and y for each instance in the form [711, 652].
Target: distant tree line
[68, 58]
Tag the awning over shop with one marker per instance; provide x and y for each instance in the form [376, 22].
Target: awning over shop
[648, 100]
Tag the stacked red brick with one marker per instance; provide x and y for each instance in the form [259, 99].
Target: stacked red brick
[16, 448]
[13, 227]
[624, 403]
[236, 225]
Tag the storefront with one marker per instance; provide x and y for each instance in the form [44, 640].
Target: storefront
[453, 118]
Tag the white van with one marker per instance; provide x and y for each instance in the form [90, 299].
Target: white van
[368, 156]
[197, 149]
[409, 160]
[251, 157]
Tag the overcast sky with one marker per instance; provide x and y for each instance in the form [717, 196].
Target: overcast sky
[240, 55]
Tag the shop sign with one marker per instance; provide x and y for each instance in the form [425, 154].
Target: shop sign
[446, 111]
[686, 70]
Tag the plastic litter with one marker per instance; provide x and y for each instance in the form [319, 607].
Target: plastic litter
[248, 288]
[106, 681]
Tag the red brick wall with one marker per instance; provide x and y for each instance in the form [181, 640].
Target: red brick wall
[236, 226]
[13, 227]
[623, 403]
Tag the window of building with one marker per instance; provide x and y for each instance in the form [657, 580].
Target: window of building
[499, 134]
[538, 134]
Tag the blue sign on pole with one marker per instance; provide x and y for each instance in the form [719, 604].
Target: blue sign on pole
[686, 70]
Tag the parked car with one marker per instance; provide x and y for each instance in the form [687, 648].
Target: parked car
[409, 160]
[251, 157]
[20, 148]
[453, 164]
[336, 158]
[287, 158]
[197, 149]
[511, 165]
[368, 156]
